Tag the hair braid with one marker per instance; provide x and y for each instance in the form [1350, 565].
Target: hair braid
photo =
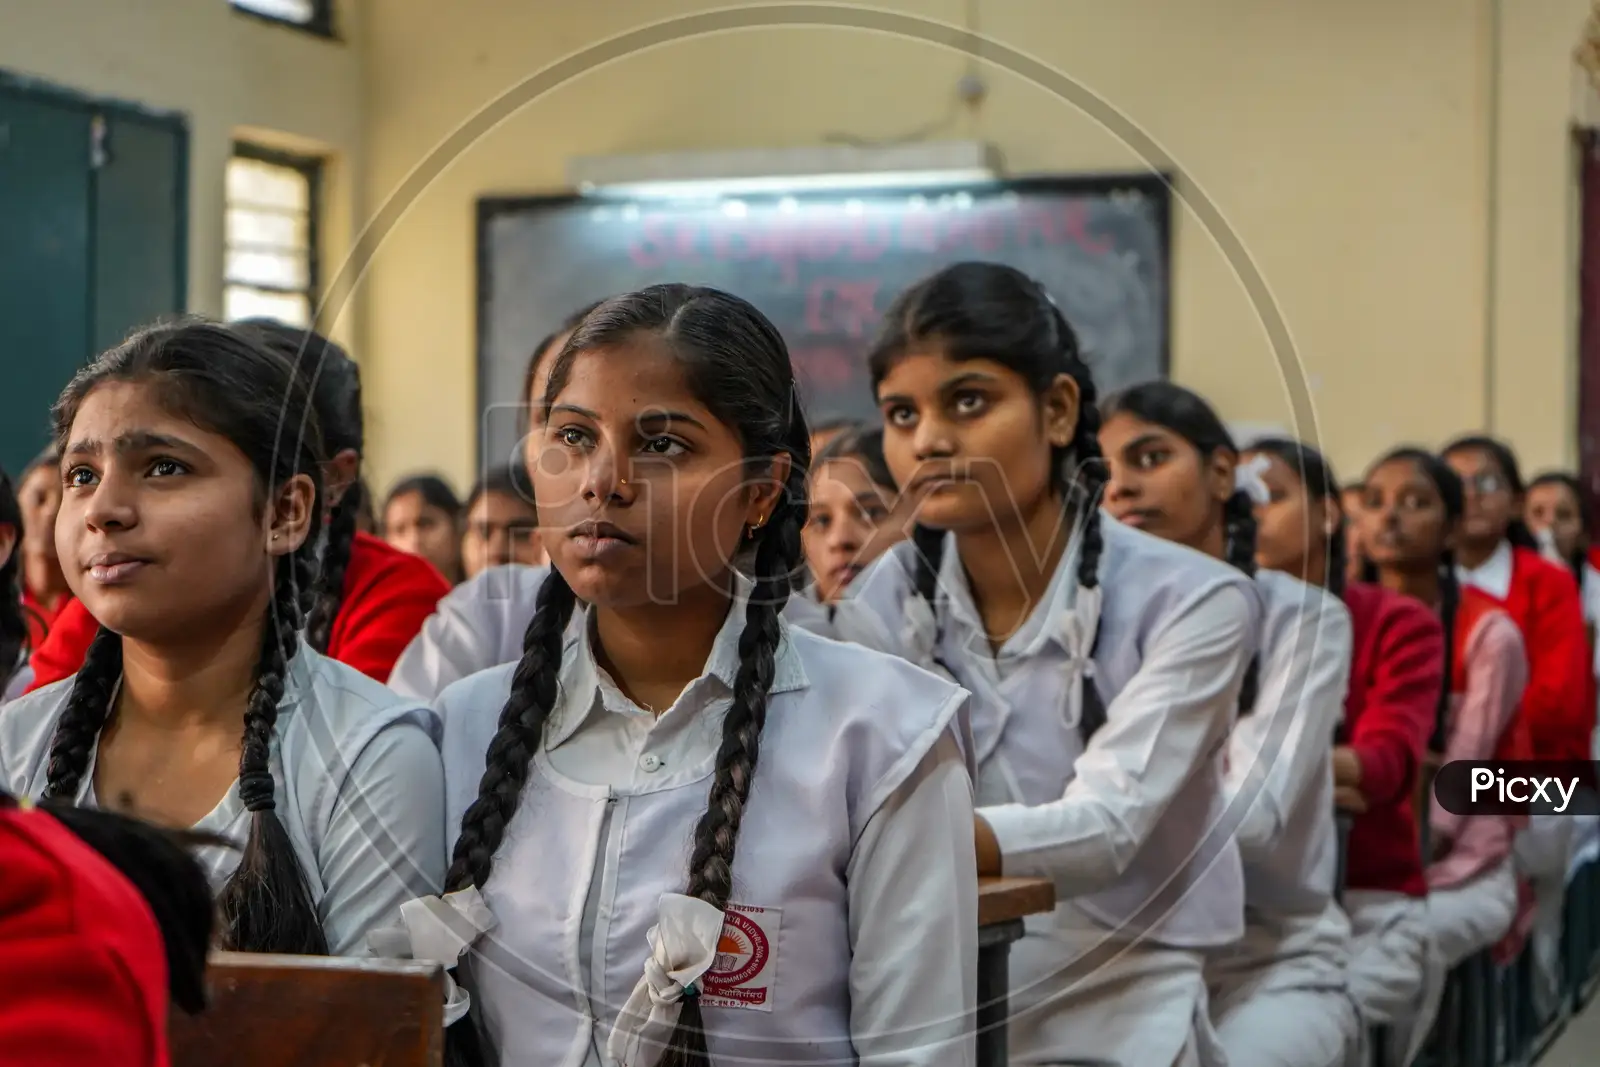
[266, 904]
[1089, 477]
[533, 695]
[1239, 525]
[716, 836]
[87, 708]
[329, 589]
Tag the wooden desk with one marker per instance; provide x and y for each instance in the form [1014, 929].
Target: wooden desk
[1002, 904]
[314, 1011]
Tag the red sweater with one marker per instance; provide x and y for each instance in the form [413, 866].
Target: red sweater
[1558, 704]
[81, 958]
[387, 595]
[1396, 675]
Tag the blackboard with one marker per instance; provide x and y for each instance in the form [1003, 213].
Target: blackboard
[824, 267]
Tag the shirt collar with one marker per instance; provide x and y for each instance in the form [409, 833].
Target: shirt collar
[1045, 623]
[585, 689]
[1493, 576]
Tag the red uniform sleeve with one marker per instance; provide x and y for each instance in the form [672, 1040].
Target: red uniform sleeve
[1392, 731]
[64, 650]
[387, 596]
[1556, 704]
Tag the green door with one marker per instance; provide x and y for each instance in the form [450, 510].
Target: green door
[45, 264]
[93, 205]
[140, 202]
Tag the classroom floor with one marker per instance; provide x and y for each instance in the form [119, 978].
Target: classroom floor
[1576, 1046]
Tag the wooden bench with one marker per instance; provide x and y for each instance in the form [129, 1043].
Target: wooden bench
[1002, 905]
[314, 1011]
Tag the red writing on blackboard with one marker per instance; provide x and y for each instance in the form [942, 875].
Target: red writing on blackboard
[788, 241]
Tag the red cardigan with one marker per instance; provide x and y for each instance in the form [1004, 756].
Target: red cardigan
[81, 958]
[1558, 704]
[387, 595]
[1396, 675]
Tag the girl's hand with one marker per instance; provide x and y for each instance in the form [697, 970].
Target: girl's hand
[1346, 767]
[1349, 799]
[988, 848]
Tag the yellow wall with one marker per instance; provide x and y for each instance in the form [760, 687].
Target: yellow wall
[1349, 146]
[231, 74]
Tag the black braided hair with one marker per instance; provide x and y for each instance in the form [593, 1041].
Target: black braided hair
[1187, 414]
[738, 366]
[160, 864]
[1505, 459]
[1316, 474]
[1452, 499]
[1239, 524]
[335, 384]
[13, 616]
[225, 381]
[1577, 559]
[976, 310]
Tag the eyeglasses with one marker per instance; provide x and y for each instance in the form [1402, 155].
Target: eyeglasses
[1484, 483]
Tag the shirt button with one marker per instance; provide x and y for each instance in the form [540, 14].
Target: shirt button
[650, 762]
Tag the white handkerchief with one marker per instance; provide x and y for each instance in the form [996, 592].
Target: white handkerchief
[438, 930]
[683, 945]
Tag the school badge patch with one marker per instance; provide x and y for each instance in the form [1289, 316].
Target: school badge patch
[746, 963]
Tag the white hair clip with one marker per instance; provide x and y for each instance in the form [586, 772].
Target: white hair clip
[1247, 479]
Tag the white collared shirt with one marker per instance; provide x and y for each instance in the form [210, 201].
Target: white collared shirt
[1493, 575]
[910, 878]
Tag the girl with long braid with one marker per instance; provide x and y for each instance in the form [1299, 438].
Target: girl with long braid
[1411, 518]
[693, 833]
[192, 472]
[369, 599]
[1105, 667]
[1278, 997]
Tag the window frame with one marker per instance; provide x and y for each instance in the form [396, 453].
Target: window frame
[311, 168]
[320, 24]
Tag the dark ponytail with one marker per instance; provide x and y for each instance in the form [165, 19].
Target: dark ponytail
[225, 382]
[13, 617]
[990, 311]
[335, 384]
[738, 366]
[1187, 414]
[342, 526]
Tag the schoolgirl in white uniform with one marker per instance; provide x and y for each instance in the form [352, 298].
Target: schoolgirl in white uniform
[1279, 996]
[1105, 667]
[192, 497]
[686, 828]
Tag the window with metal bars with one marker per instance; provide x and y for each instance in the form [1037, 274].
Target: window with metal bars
[313, 16]
[270, 269]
